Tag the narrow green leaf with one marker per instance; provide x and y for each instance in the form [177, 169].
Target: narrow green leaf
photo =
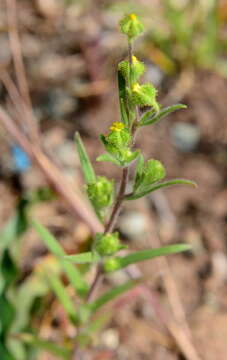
[72, 272]
[132, 157]
[108, 158]
[152, 188]
[112, 294]
[7, 315]
[42, 344]
[103, 140]
[150, 117]
[84, 258]
[121, 85]
[150, 254]
[16, 226]
[5, 354]
[147, 116]
[124, 116]
[62, 295]
[139, 170]
[122, 99]
[8, 269]
[88, 171]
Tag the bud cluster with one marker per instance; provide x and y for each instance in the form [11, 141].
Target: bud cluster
[117, 142]
[107, 244]
[101, 192]
[151, 172]
[131, 26]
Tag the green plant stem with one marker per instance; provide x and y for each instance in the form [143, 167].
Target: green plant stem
[130, 63]
[95, 284]
[117, 207]
[109, 228]
[120, 196]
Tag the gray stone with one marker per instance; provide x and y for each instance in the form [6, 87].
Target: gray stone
[185, 136]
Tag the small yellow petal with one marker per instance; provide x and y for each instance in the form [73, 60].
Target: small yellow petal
[117, 126]
[136, 87]
[133, 16]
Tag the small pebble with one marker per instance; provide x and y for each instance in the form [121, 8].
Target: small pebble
[219, 262]
[133, 224]
[110, 339]
[57, 104]
[185, 136]
[50, 8]
[153, 74]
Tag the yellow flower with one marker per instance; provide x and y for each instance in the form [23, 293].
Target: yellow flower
[136, 87]
[117, 126]
[133, 16]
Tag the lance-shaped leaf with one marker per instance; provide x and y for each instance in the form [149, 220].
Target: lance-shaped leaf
[5, 354]
[108, 158]
[71, 271]
[60, 351]
[151, 117]
[122, 99]
[88, 171]
[150, 254]
[119, 262]
[84, 258]
[62, 295]
[149, 189]
[112, 294]
[139, 171]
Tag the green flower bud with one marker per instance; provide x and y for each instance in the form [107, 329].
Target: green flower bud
[107, 244]
[111, 264]
[153, 171]
[128, 155]
[119, 136]
[144, 95]
[131, 26]
[137, 69]
[101, 192]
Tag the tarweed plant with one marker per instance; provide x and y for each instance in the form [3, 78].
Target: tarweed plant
[107, 197]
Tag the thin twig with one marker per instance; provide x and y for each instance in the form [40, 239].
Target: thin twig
[15, 43]
[16, 100]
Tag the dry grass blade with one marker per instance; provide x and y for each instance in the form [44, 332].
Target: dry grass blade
[19, 67]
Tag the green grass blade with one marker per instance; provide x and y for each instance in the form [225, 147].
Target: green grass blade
[54, 349]
[150, 118]
[62, 295]
[71, 271]
[152, 188]
[150, 254]
[112, 294]
[88, 171]
[84, 258]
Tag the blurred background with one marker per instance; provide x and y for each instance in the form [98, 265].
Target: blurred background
[71, 49]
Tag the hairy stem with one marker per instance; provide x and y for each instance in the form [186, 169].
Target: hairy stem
[94, 285]
[109, 228]
[120, 196]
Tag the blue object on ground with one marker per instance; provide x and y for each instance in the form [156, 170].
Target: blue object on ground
[21, 159]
